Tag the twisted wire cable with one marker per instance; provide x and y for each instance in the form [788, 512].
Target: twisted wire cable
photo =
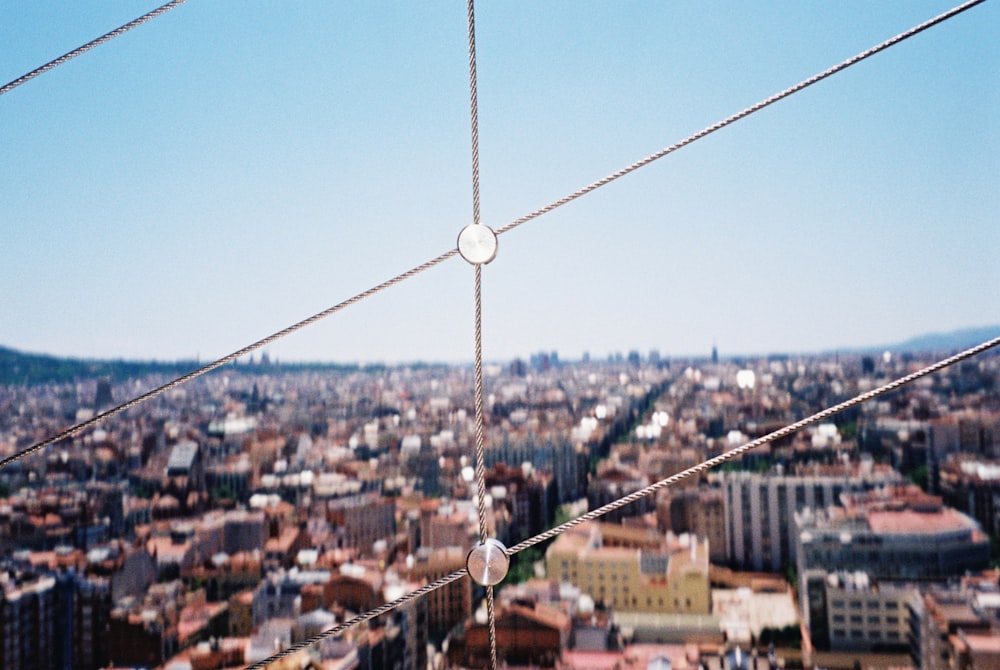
[480, 454]
[843, 65]
[9, 86]
[491, 620]
[80, 427]
[361, 618]
[74, 430]
[477, 220]
[753, 444]
[399, 278]
[481, 458]
[632, 497]
[474, 109]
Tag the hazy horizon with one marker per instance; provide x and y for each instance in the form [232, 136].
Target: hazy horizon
[961, 338]
[220, 173]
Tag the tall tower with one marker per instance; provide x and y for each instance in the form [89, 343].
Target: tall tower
[103, 397]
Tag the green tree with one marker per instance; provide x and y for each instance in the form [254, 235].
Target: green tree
[920, 476]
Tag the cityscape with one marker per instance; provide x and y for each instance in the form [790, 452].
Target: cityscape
[263, 504]
[755, 472]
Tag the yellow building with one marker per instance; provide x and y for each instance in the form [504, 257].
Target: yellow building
[633, 570]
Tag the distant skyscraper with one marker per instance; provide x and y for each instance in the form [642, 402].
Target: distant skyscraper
[103, 397]
[715, 353]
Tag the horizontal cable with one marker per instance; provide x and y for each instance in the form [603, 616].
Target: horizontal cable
[70, 432]
[740, 115]
[739, 451]
[90, 45]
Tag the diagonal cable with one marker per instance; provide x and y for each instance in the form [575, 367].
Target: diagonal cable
[361, 618]
[632, 497]
[78, 428]
[533, 215]
[106, 37]
[753, 444]
[399, 278]
[843, 65]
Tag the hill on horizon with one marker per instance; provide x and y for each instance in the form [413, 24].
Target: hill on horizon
[19, 368]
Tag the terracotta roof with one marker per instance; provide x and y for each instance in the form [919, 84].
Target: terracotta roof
[910, 522]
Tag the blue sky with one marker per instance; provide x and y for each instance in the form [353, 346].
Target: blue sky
[231, 168]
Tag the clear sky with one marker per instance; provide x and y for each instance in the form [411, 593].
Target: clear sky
[231, 168]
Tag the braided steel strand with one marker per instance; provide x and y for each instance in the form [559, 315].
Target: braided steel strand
[474, 107]
[80, 427]
[253, 347]
[739, 451]
[632, 497]
[491, 618]
[740, 115]
[361, 618]
[90, 45]
[477, 220]
[480, 421]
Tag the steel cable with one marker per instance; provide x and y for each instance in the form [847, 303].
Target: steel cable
[74, 430]
[843, 65]
[80, 427]
[663, 483]
[753, 444]
[478, 310]
[791, 428]
[9, 86]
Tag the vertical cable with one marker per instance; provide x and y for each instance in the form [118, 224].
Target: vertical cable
[474, 106]
[477, 220]
[481, 456]
[480, 427]
[493, 629]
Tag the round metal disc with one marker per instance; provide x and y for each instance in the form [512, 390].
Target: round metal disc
[488, 562]
[477, 244]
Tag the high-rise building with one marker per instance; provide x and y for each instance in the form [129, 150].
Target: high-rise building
[361, 520]
[29, 637]
[759, 508]
[452, 604]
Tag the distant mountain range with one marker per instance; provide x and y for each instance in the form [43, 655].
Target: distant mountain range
[953, 341]
[19, 368]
